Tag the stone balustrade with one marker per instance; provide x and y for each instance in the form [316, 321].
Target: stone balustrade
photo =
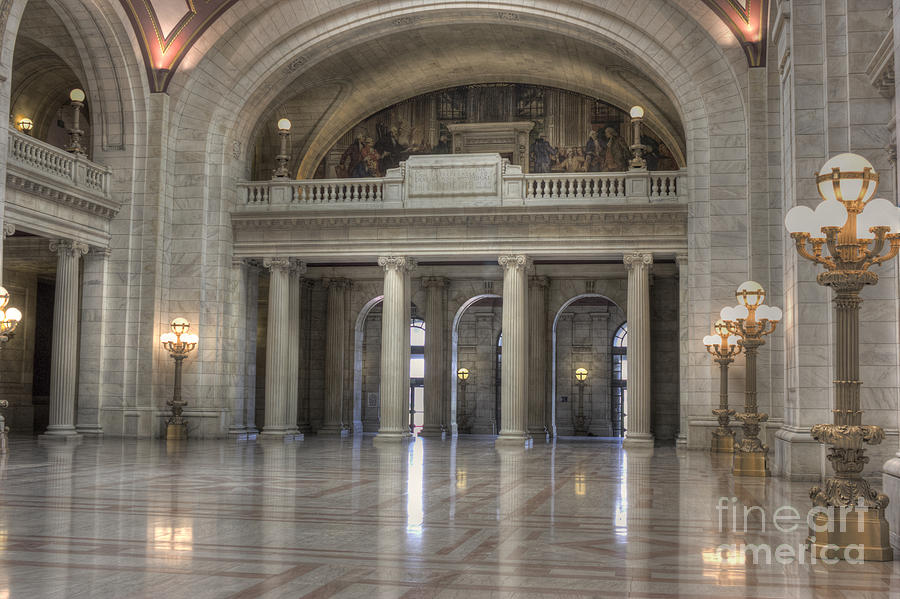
[46, 161]
[463, 180]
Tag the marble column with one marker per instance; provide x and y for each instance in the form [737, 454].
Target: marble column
[64, 358]
[306, 287]
[538, 356]
[395, 349]
[638, 315]
[278, 353]
[296, 274]
[514, 375]
[434, 355]
[237, 291]
[335, 340]
[683, 349]
[250, 335]
[94, 331]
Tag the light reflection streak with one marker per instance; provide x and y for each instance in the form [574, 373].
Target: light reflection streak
[620, 519]
[415, 509]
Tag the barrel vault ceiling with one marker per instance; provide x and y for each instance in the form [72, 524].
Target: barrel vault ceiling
[166, 29]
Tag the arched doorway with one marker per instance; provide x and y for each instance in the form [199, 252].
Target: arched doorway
[367, 368]
[476, 346]
[587, 394]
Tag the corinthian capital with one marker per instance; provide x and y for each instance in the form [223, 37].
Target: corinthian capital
[279, 264]
[8, 229]
[638, 259]
[434, 282]
[518, 261]
[67, 247]
[299, 267]
[397, 263]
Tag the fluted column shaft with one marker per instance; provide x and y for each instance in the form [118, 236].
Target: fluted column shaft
[64, 359]
[638, 314]
[434, 355]
[538, 424]
[335, 335]
[395, 349]
[251, 326]
[278, 354]
[683, 348]
[514, 376]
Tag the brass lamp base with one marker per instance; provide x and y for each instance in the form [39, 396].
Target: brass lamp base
[866, 534]
[722, 442]
[750, 463]
[176, 431]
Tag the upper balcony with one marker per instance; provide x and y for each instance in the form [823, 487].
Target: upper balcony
[461, 181]
[54, 193]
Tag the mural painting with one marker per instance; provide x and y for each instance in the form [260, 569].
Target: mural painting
[571, 132]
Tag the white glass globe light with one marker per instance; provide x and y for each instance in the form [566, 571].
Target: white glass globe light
[637, 112]
[168, 338]
[733, 339]
[801, 219]
[14, 315]
[741, 312]
[727, 313]
[850, 188]
[750, 293]
[284, 124]
[775, 314]
[190, 338]
[830, 214]
[77, 95]
[711, 340]
[877, 212]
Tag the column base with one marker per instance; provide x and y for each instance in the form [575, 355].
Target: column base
[681, 440]
[537, 432]
[60, 430]
[176, 431]
[432, 430]
[390, 438]
[305, 428]
[722, 443]
[89, 429]
[511, 440]
[866, 539]
[237, 431]
[637, 440]
[750, 463]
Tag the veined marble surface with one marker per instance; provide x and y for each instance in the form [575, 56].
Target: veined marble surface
[431, 518]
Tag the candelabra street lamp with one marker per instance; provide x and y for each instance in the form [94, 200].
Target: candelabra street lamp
[752, 321]
[847, 234]
[637, 116]
[9, 317]
[581, 421]
[76, 97]
[463, 423]
[723, 347]
[179, 343]
[284, 129]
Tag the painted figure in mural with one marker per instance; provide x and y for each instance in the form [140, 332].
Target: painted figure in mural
[443, 145]
[617, 152]
[542, 153]
[390, 148]
[666, 161]
[351, 158]
[594, 150]
[371, 163]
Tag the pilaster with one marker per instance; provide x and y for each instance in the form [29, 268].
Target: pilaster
[94, 318]
[538, 356]
[335, 328]
[435, 365]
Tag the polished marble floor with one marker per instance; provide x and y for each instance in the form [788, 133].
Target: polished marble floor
[434, 518]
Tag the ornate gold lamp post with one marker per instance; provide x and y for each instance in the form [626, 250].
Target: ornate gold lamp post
[462, 408]
[179, 343]
[581, 421]
[76, 96]
[752, 321]
[284, 129]
[723, 347]
[848, 234]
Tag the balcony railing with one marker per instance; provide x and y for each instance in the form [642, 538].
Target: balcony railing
[59, 174]
[463, 180]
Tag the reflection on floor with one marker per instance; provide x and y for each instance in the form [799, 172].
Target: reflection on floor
[341, 518]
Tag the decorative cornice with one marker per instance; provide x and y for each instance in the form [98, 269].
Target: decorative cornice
[85, 203]
[674, 215]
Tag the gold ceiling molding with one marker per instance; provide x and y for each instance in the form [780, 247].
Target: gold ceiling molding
[748, 20]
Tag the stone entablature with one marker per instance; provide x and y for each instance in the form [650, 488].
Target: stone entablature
[465, 180]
